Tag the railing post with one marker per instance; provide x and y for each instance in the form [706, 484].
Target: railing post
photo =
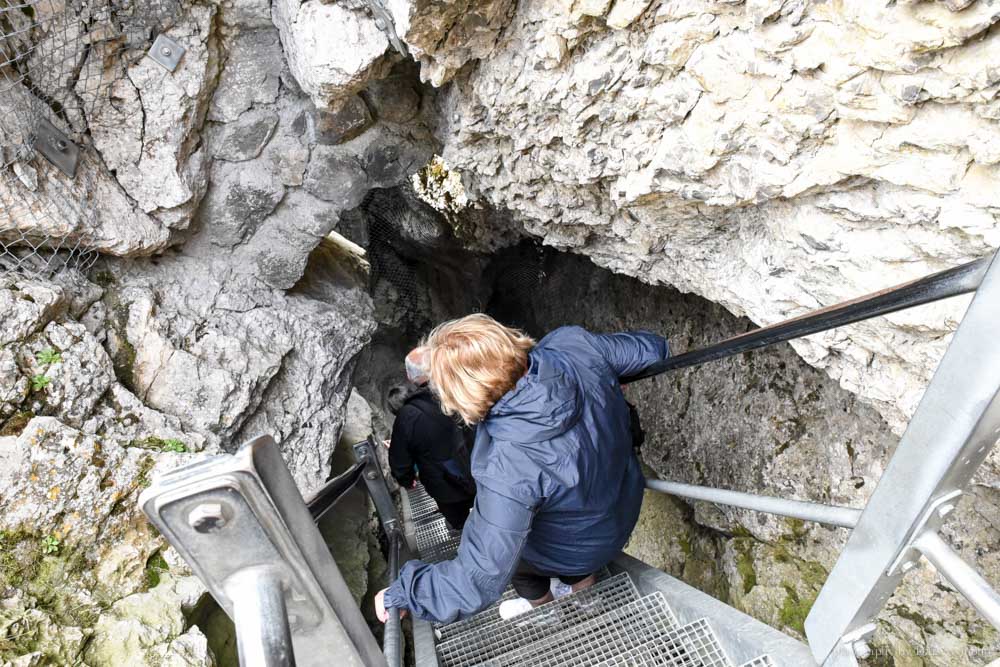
[365, 452]
[951, 433]
[230, 516]
[263, 635]
[377, 487]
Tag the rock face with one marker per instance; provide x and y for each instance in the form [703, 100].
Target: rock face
[78, 450]
[445, 36]
[771, 156]
[332, 49]
[250, 323]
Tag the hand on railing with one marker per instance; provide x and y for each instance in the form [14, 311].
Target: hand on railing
[380, 611]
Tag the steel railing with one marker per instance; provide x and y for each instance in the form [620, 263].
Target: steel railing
[953, 430]
[240, 523]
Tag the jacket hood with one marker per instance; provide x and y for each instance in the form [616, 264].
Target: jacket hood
[545, 403]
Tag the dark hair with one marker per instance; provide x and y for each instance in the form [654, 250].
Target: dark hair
[397, 395]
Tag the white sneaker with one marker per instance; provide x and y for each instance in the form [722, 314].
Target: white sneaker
[559, 589]
[512, 608]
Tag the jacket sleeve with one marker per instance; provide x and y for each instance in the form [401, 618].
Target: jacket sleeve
[492, 542]
[632, 352]
[400, 457]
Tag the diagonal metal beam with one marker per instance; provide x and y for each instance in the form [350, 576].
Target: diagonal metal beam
[953, 430]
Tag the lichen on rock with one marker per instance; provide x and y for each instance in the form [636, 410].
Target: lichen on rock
[440, 186]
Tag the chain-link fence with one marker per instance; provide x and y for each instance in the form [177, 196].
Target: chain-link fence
[59, 63]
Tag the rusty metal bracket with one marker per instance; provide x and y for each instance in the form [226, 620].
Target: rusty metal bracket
[167, 52]
[56, 147]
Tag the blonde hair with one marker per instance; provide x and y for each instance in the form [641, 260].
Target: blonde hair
[473, 361]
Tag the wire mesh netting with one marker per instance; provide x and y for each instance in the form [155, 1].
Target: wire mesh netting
[60, 61]
[395, 277]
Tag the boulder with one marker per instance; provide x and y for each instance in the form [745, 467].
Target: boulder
[332, 49]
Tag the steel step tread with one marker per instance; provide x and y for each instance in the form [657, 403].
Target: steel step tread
[497, 636]
[760, 661]
[420, 505]
[435, 540]
[489, 615]
[598, 639]
[691, 645]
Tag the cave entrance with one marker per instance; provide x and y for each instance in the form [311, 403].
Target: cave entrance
[763, 421]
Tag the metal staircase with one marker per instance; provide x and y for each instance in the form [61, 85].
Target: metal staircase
[243, 527]
[610, 623]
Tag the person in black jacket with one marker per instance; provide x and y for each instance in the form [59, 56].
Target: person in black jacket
[427, 442]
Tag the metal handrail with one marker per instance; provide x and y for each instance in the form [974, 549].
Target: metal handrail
[952, 282]
[392, 640]
[378, 490]
[844, 517]
[837, 638]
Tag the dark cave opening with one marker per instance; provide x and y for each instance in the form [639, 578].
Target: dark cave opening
[763, 422]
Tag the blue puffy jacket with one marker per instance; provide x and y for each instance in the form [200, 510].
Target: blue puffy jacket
[557, 481]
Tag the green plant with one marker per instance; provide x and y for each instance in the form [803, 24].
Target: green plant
[160, 444]
[48, 356]
[39, 382]
[174, 445]
[156, 565]
[50, 545]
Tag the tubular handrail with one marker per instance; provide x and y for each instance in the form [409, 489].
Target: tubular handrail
[951, 282]
[961, 575]
[368, 469]
[393, 637]
[844, 517]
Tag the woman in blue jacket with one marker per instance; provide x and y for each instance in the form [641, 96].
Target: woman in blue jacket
[558, 485]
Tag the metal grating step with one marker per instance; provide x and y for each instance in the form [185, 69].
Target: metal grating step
[421, 505]
[599, 639]
[489, 615]
[494, 638]
[761, 661]
[432, 533]
[692, 645]
[437, 542]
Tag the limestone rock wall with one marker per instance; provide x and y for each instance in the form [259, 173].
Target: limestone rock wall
[76, 449]
[773, 156]
[248, 319]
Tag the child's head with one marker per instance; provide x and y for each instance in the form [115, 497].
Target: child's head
[473, 361]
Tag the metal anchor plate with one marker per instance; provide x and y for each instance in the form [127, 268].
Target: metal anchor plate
[56, 147]
[166, 52]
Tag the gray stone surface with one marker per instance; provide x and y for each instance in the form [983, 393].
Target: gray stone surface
[773, 157]
[444, 36]
[348, 121]
[245, 138]
[332, 49]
